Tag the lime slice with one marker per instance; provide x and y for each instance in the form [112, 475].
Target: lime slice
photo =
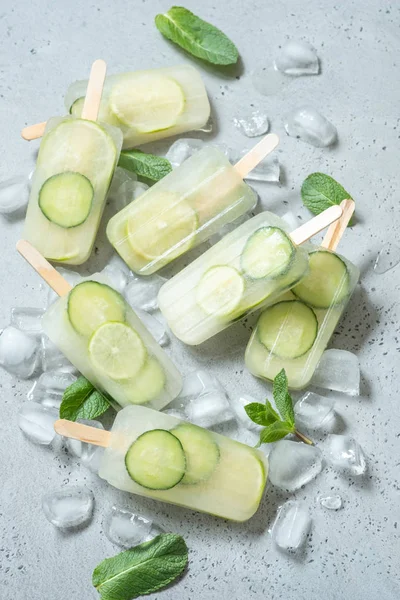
[117, 351]
[220, 291]
[91, 304]
[147, 102]
[148, 383]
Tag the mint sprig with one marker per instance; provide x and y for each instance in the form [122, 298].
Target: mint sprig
[145, 165]
[320, 191]
[276, 426]
[141, 570]
[81, 400]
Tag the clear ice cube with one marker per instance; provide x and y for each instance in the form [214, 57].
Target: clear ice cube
[388, 258]
[14, 194]
[125, 528]
[199, 382]
[175, 412]
[338, 370]
[293, 464]
[71, 276]
[253, 124]
[183, 149]
[208, 410]
[267, 170]
[291, 220]
[291, 526]
[37, 423]
[310, 126]
[297, 58]
[142, 292]
[237, 404]
[83, 450]
[154, 326]
[52, 358]
[268, 81]
[50, 385]
[345, 454]
[130, 191]
[118, 273]
[120, 177]
[19, 352]
[28, 320]
[314, 411]
[68, 507]
[331, 502]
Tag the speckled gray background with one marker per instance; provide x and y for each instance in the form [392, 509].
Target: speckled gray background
[353, 554]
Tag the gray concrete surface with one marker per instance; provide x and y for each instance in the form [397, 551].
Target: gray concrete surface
[352, 554]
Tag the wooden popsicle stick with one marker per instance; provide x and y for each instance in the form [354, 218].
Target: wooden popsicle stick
[51, 276]
[83, 433]
[336, 230]
[250, 160]
[33, 132]
[94, 90]
[315, 225]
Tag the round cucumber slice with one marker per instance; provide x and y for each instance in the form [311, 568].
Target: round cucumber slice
[156, 460]
[117, 351]
[288, 329]
[201, 451]
[327, 283]
[267, 253]
[148, 103]
[76, 107]
[220, 291]
[148, 383]
[91, 304]
[66, 199]
[164, 226]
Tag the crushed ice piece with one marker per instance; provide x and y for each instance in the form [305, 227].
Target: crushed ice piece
[154, 326]
[268, 81]
[345, 454]
[28, 320]
[313, 411]
[293, 464]
[125, 528]
[14, 194]
[338, 370]
[209, 409]
[71, 276]
[83, 450]
[253, 124]
[37, 423]
[52, 358]
[267, 170]
[291, 526]
[237, 404]
[142, 292]
[308, 125]
[297, 58]
[388, 258]
[333, 502]
[19, 352]
[68, 507]
[183, 149]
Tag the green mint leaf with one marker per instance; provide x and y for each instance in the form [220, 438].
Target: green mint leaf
[283, 399]
[276, 431]
[262, 414]
[196, 36]
[271, 414]
[82, 401]
[319, 192]
[141, 570]
[145, 165]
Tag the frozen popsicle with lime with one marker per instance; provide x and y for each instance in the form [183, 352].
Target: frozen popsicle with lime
[101, 335]
[294, 332]
[185, 208]
[156, 455]
[249, 268]
[75, 165]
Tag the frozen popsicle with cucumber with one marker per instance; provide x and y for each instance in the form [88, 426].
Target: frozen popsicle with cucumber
[101, 335]
[74, 168]
[156, 455]
[185, 208]
[293, 333]
[249, 268]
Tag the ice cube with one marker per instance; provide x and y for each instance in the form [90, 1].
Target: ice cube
[345, 454]
[331, 502]
[52, 358]
[125, 528]
[293, 464]
[130, 191]
[116, 277]
[237, 404]
[37, 423]
[142, 292]
[71, 276]
[252, 124]
[208, 410]
[308, 125]
[14, 194]
[50, 384]
[154, 326]
[314, 411]
[19, 352]
[83, 450]
[199, 382]
[182, 149]
[388, 258]
[269, 81]
[28, 320]
[338, 370]
[291, 220]
[267, 170]
[297, 58]
[227, 228]
[291, 526]
[174, 412]
[68, 507]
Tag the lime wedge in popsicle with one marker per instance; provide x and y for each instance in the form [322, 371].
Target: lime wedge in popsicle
[117, 351]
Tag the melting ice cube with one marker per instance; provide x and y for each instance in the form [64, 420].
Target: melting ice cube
[199, 382]
[210, 409]
[345, 454]
[237, 403]
[14, 194]
[331, 502]
[68, 507]
[154, 326]
[127, 529]
[252, 124]
[297, 58]
[182, 149]
[37, 423]
[267, 170]
[28, 320]
[310, 126]
[388, 258]
[338, 370]
[291, 526]
[293, 464]
[142, 292]
[19, 352]
[52, 358]
[313, 411]
[83, 450]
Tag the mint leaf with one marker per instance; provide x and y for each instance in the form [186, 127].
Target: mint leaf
[145, 165]
[197, 36]
[319, 192]
[283, 399]
[141, 570]
[82, 401]
[262, 414]
[274, 432]
[271, 414]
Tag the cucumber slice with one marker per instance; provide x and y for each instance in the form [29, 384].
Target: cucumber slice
[220, 291]
[91, 304]
[76, 107]
[267, 253]
[327, 283]
[201, 451]
[165, 225]
[117, 351]
[147, 103]
[66, 199]
[156, 460]
[288, 329]
[148, 383]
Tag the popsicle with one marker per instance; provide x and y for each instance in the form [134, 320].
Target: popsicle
[75, 165]
[249, 268]
[294, 332]
[156, 455]
[101, 335]
[146, 105]
[185, 208]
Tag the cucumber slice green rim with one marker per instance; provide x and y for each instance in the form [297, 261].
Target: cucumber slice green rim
[76, 107]
[201, 451]
[117, 351]
[156, 460]
[148, 383]
[288, 329]
[269, 252]
[327, 283]
[66, 199]
[220, 291]
[91, 304]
